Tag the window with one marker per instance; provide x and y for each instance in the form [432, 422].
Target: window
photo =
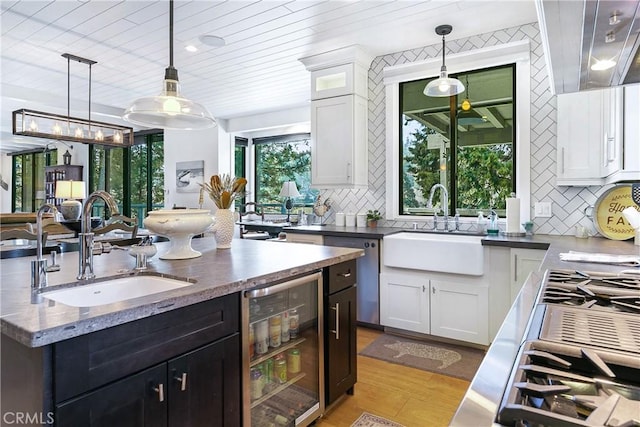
[515, 56]
[133, 176]
[240, 162]
[28, 179]
[279, 159]
[469, 151]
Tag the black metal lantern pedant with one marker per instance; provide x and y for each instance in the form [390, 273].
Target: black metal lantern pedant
[66, 157]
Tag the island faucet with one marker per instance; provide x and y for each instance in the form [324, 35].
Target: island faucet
[39, 265]
[445, 205]
[85, 238]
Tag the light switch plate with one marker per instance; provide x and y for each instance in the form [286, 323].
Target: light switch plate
[542, 209]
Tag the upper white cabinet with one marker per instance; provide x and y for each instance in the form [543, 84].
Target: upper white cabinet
[630, 170]
[338, 142]
[339, 149]
[590, 136]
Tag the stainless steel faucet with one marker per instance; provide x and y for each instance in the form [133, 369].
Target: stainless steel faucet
[86, 247]
[39, 265]
[445, 204]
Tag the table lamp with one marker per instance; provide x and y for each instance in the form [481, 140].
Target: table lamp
[288, 191]
[71, 191]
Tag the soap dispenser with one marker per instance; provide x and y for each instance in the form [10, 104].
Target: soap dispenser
[493, 224]
[481, 224]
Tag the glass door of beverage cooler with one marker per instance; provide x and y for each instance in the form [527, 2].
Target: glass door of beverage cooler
[283, 354]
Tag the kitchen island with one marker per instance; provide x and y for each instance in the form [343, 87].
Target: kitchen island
[64, 363]
[481, 402]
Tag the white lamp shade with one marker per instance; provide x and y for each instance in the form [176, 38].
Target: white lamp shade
[289, 189]
[444, 86]
[70, 190]
[168, 112]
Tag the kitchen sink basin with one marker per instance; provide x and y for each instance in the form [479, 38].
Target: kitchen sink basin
[114, 290]
[447, 253]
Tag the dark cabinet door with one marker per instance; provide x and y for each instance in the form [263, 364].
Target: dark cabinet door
[139, 400]
[204, 386]
[340, 343]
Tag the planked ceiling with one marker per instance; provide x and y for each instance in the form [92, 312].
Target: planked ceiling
[257, 70]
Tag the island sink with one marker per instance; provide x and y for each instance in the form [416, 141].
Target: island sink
[114, 290]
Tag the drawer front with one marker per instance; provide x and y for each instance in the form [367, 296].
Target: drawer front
[341, 276]
[89, 361]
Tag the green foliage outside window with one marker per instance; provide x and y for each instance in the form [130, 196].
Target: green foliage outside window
[283, 159]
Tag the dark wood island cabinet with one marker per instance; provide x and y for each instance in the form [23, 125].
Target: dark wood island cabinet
[340, 330]
[179, 368]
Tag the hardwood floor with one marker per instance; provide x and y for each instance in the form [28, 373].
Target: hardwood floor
[409, 396]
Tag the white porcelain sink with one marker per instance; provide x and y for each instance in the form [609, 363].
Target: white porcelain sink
[114, 290]
[448, 253]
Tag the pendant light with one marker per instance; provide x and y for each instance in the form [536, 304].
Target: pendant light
[169, 110]
[444, 85]
[467, 115]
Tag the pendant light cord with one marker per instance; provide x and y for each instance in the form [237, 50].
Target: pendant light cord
[171, 33]
[443, 66]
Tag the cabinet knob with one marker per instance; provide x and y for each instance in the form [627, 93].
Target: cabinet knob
[182, 379]
[160, 390]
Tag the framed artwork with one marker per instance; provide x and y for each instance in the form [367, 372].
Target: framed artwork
[188, 175]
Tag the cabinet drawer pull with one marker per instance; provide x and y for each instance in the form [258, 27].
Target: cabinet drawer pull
[337, 330]
[347, 274]
[182, 380]
[160, 391]
[433, 290]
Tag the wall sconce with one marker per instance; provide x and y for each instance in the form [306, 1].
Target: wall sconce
[66, 158]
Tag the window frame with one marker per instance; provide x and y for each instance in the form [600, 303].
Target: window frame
[517, 53]
[452, 169]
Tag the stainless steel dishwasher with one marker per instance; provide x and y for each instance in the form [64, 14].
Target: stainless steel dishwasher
[368, 304]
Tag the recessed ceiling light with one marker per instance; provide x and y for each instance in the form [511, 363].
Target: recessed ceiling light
[604, 64]
[210, 40]
[190, 48]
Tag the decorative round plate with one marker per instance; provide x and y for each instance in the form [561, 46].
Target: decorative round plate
[607, 213]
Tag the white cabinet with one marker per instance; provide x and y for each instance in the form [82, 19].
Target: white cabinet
[523, 262]
[404, 301]
[631, 142]
[419, 302]
[339, 157]
[460, 311]
[590, 136]
[313, 239]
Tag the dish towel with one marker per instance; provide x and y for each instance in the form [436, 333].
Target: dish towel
[626, 260]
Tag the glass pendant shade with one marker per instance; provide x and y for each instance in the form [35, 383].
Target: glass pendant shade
[169, 110]
[444, 86]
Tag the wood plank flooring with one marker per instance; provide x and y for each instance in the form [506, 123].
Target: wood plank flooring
[409, 396]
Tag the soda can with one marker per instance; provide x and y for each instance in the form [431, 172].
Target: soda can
[280, 370]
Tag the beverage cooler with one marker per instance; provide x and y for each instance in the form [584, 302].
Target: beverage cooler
[283, 354]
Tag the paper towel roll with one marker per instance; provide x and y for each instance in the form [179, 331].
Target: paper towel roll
[513, 215]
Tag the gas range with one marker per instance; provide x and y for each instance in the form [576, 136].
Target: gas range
[580, 362]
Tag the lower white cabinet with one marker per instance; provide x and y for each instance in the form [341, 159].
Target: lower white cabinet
[404, 301]
[523, 262]
[460, 311]
[419, 302]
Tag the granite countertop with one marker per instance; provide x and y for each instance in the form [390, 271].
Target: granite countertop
[480, 404]
[35, 321]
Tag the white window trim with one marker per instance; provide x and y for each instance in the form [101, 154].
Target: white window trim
[516, 52]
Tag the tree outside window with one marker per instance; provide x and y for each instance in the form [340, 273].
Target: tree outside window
[279, 159]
